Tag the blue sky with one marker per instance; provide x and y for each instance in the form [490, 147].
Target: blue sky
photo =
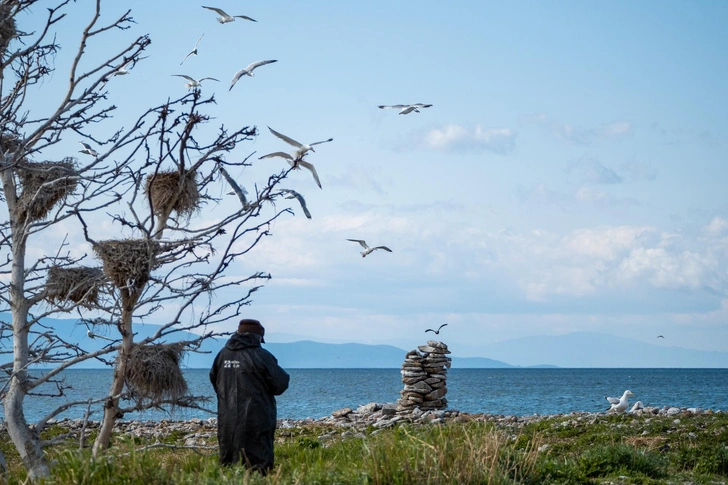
[570, 175]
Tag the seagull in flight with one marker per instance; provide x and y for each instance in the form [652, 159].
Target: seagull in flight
[237, 190]
[192, 83]
[405, 108]
[366, 247]
[120, 71]
[660, 336]
[301, 149]
[296, 163]
[93, 335]
[436, 332]
[248, 71]
[292, 194]
[193, 52]
[88, 150]
[225, 18]
[619, 405]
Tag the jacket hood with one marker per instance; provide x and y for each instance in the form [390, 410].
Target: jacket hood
[242, 340]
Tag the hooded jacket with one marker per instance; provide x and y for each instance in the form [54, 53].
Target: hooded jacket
[246, 378]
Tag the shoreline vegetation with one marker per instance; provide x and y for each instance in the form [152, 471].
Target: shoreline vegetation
[377, 444]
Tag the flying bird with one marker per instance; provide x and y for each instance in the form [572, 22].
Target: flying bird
[437, 332]
[660, 336]
[193, 52]
[619, 405]
[405, 108]
[248, 71]
[95, 335]
[301, 149]
[292, 194]
[121, 70]
[237, 190]
[192, 83]
[366, 247]
[296, 163]
[225, 18]
[88, 150]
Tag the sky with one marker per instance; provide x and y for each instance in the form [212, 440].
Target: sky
[570, 175]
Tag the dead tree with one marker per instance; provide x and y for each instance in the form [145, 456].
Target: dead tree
[152, 176]
[176, 258]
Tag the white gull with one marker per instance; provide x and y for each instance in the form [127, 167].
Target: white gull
[193, 52]
[405, 108]
[619, 405]
[296, 163]
[194, 83]
[225, 18]
[366, 247]
[88, 150]
[248, 71]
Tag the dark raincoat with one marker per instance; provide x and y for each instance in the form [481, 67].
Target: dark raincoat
[246, 377]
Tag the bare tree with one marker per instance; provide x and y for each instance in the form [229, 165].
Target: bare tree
[151, 179]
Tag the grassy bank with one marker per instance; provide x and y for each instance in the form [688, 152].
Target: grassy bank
[560, 449]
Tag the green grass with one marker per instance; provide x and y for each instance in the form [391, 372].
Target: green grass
[593, 450]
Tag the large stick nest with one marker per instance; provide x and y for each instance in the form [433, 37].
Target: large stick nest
[153, 371]
[167, 189]
[9, 142]
[128, 262]
[7, 27]
[79, 285]
[44, 184]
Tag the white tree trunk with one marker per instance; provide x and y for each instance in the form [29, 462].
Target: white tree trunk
[25, 439]
[111, 406]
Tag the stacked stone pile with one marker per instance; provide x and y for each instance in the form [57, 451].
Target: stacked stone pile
[424, 374]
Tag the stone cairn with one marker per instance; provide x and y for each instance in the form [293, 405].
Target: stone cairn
[424, 374]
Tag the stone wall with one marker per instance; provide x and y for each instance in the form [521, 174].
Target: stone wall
[424, 374]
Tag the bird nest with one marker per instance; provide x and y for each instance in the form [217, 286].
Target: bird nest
[128, 262]
[44, 184]
[79, 285]
[181, 191]
[153, 371]
[8, 30]
[9, 142]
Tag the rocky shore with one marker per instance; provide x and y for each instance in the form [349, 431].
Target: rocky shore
[367, 420]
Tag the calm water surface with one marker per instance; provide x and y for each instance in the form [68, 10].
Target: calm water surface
[318, 392]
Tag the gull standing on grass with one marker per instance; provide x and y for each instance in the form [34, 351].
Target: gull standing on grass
[405, 108]
[366, 247]
[193, 52]
[292, 194]
[248, 71]
[296, 163]
[192, 83]
[88, 150]
[619, 405]
[225, 18]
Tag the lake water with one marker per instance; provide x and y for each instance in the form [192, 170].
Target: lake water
[318, 392]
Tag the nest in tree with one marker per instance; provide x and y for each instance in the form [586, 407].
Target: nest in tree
[128, 262]
[153, 371]
[79, 285]
[7, 27]
[170, 191]
[44, 184]
[9, 142]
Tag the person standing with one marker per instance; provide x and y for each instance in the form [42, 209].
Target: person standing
[246, 379]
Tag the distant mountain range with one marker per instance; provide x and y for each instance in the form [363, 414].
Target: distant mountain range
[578, 349]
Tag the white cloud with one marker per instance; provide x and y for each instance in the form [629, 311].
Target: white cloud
[583, 135]
[717, 226]
[592, 171]
[460, 139]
